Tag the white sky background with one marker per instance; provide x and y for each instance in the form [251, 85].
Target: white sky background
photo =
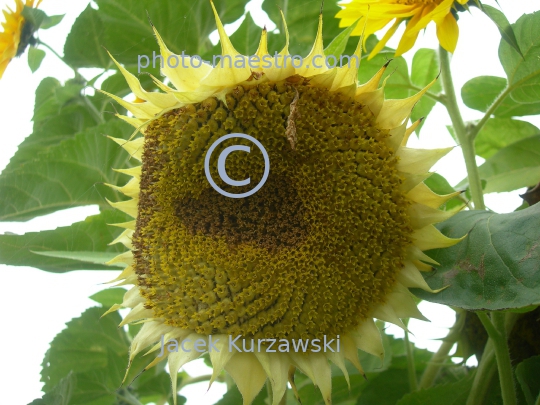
[37, 304]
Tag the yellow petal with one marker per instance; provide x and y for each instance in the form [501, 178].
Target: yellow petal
[139, 110]
[422, 215]
[181, 357]
[126, 257]
[182, 73]
[382, 43]
[138, 123]
[394, 112]
[338, 358]
[127, 272]
[158, 99]
[385, 312]
[276, 366]
[130, 207]
[411, 277]
[124, 238]
[137, 313]
[317, 368]
[347, 74]
[131, 189]
[132, 171]
[219, 357]
[412, 180]
[416, 161]
[448, 33]
[351, 352]
[373, 83]
[402, 302]
[367, 338]
[424, 195]
[314, 63]
[134, 147]
[248, 375]
[233, 68]
[415, 254]
[430, 237]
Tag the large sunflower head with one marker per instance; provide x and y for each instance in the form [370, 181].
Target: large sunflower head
[16, 34]
[417, 14]
[332, 240]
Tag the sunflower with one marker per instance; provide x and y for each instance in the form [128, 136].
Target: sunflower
[333, 239]
[417, 14]
[16, 35]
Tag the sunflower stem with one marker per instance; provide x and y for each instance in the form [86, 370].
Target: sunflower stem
[439, 358]
[461, 131]
[413, 382]
[484, 375]
[496, 329]
[58, 56]
[478, 127]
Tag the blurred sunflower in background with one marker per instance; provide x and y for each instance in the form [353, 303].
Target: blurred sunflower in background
[417, 14]
[332, 241]
[17, 33]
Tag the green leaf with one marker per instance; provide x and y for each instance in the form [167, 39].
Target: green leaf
[123, 28]
[502, 23]
[35, 57]
[34, 16]
[109, 297]
[60, 394]
[39, 19]
[527, 374]
[446, 394]
[88, 30]
[425, 68]
[480, 93]
[514, 166]
[523, 72]
[88, 257]
[95, 349]
[495, 267]
[498, 133]
[302, 20]
[69, 174]
[385, 388]
[59, 113]
[339, 43]
[93, 234]
[52, 21]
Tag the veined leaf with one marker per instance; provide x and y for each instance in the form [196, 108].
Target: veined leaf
[124, 30]
[495, 267]
[523, 72]
[514, 166]
[480, 93]
[502, 23]
[41, 249]
[499, 133]
[69, 174]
